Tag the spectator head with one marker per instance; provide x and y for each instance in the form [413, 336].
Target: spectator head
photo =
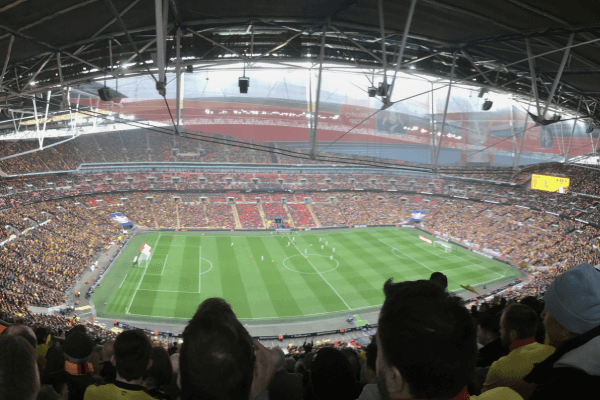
[19, 375]
[331, 375]
[278, 357]
[352, 357]
[572, 304]
[108, 350]
[161, 371]
[23, 331]
[78, 347]
[372, 361]
[488, 328]
[133, 350]
[217, 356]
[533, 303]
[290, 363]
[518, 322]
[41, 334]
[440, 279]
[426, 342]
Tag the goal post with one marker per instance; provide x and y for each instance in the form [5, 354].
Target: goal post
[447, 247]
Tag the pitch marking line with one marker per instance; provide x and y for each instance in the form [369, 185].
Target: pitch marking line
[141, 279]
[322, 277]
[405, 255]
[163, 268]
[200, 270]
[123, 281]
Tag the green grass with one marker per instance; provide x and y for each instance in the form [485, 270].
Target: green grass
[187, 267]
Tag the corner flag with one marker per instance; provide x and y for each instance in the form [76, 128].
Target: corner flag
[146, 250]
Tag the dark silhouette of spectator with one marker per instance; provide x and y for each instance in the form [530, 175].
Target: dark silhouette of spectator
[440, 279]
[218, 359]
[160, 374]
[426, 344]
[132, 352]
[19, 376]
[77, 372]
[331, 376]
[488, 334]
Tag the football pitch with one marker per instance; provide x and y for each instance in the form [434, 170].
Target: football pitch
[269, 276]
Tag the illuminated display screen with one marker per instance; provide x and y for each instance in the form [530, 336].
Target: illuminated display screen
[550, 183]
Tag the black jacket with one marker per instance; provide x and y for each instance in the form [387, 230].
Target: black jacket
[572, 372]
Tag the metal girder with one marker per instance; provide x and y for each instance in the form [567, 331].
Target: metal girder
[279, 46]
[116, 14]
[315, 119]
[160, 46]
[357, 44]
[513, 140]
[38, 71]
[10, 43]
[47, 109]
[48, 46]
[439, 143]
[522, 139]
[11, 5]
[243, 57]
[382, 33]
[559, 74]
[178, 75]
[63, 103]
[532, 73]
[52, 16]
[388, 98]
[468, 57]
[144, 48]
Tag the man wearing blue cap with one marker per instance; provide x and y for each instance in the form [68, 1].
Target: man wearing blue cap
[572, 321]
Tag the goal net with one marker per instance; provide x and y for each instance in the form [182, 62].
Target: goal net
[443, 245]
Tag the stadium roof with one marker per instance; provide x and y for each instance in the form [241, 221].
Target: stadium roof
[546, 50]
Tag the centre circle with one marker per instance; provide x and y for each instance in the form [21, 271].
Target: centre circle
[312, 267]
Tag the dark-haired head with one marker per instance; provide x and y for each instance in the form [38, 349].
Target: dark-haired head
[217, 356]
[440, 279]
[132, 351]
[426, 342]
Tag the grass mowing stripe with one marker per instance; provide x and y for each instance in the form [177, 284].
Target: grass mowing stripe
[317, 286]
[234, 291]
[322, 277]
[283, 301]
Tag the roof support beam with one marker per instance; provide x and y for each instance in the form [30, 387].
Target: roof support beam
[559, 73]
[37, 72]
[566, 158]
[47, 109]
[388, 98]
[468, 57]
[522, 139]
[279, 46]
[178, 75]
[243, 57]
[383, 51]
[369, 52]
[10, 43]
[439, 140]
[532, 72]
[315, 119]
[160, 45]
[48, 46]
[63, 102]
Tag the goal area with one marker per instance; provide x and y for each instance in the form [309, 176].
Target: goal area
[447, 247]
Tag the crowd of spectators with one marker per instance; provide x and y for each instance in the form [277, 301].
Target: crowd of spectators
[504, 349]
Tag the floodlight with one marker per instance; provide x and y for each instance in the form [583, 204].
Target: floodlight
[372, 90]
[487, 105]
